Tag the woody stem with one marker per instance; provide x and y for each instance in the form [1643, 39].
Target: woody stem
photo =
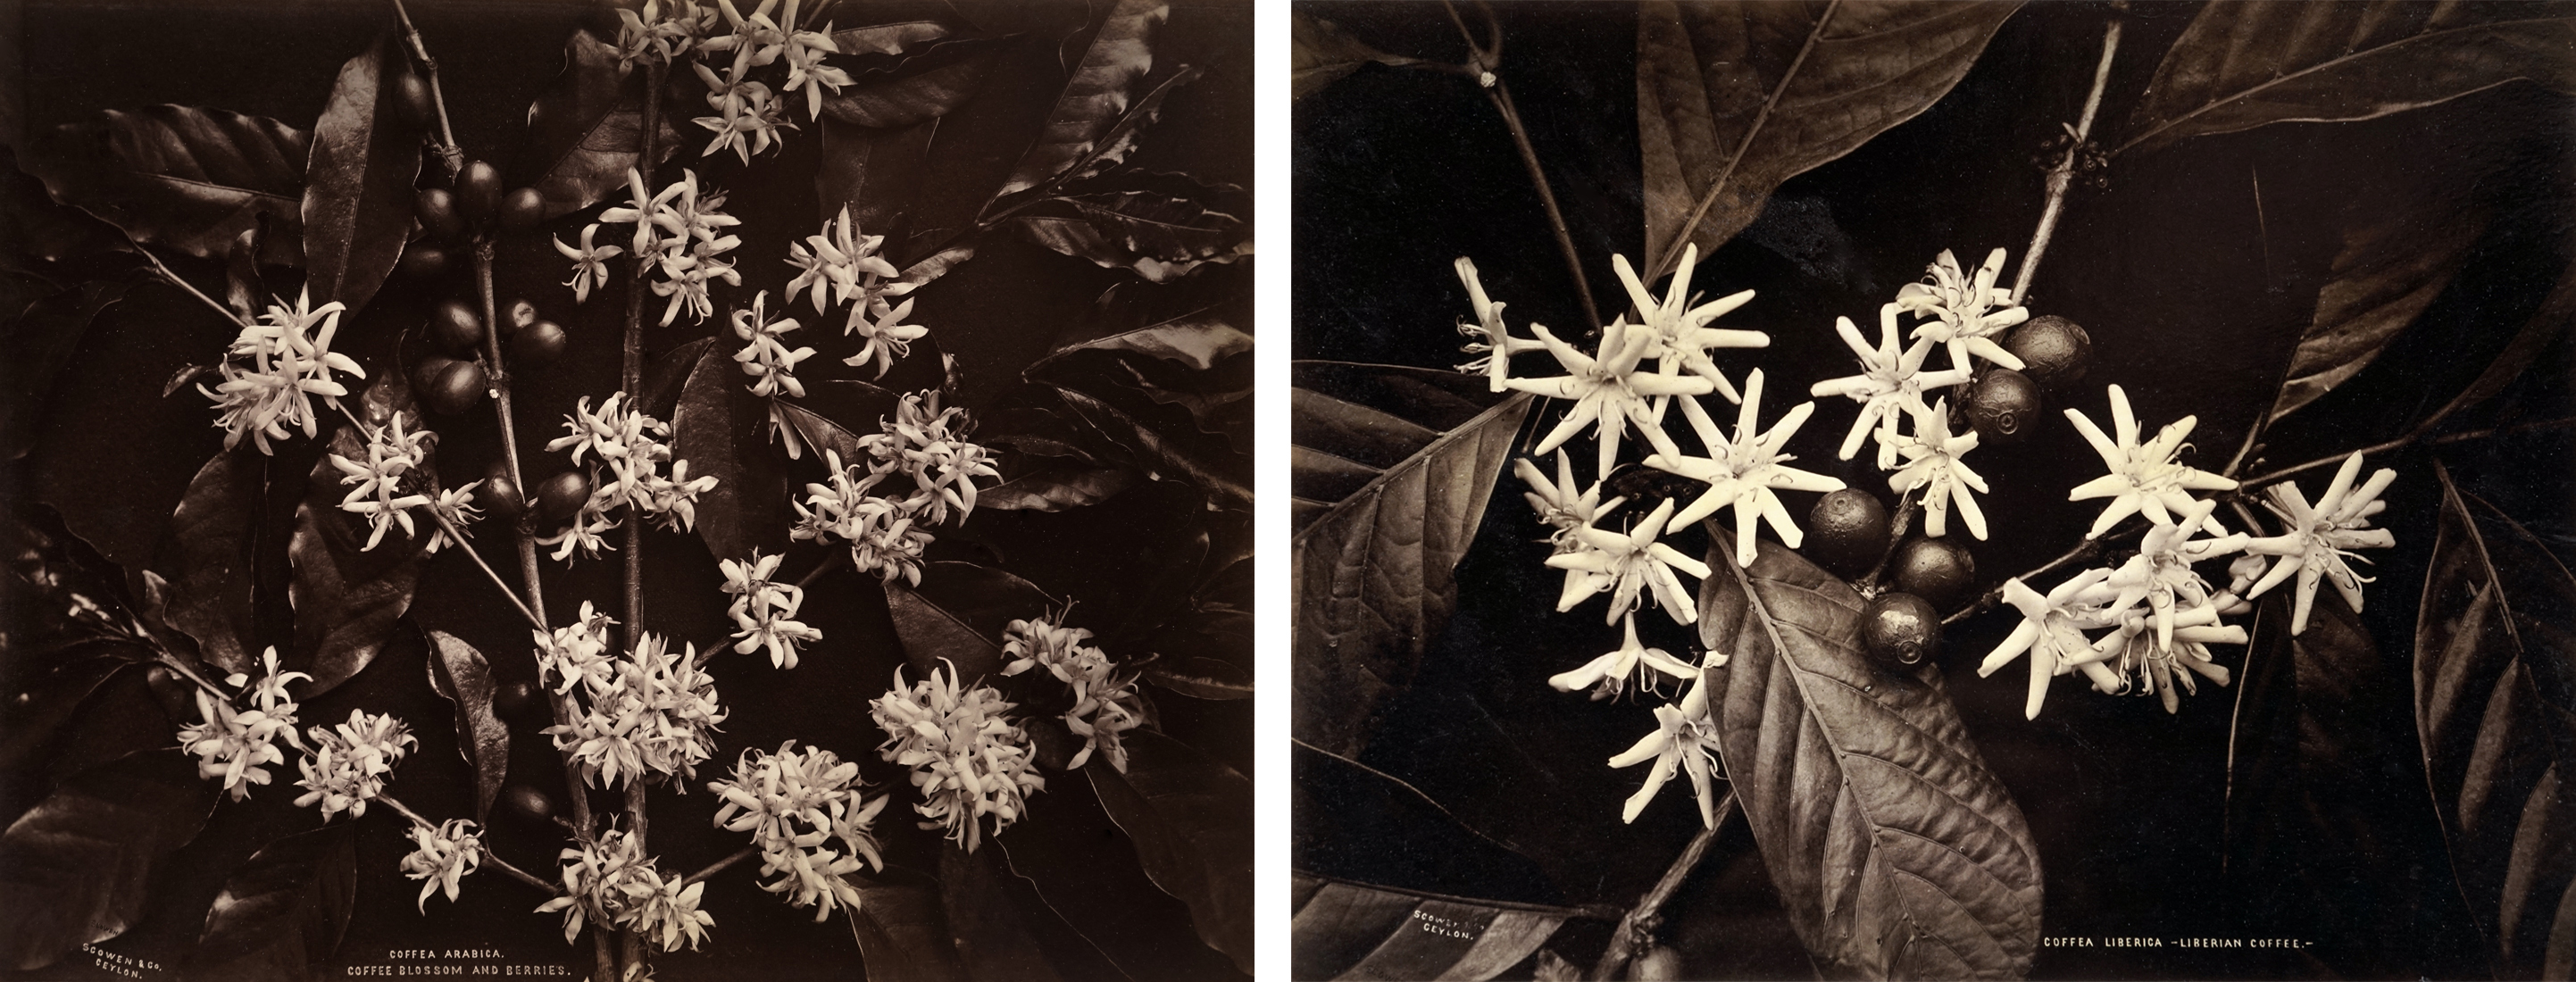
[1636, 928]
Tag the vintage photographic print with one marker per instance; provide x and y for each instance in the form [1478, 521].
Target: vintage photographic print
[1941, 490]
[670, 489]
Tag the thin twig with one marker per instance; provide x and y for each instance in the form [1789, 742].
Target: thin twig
[2063, 175]
[183, 284]
[1672, 251]
[1636, 929]
[1485, 66]
[1986, 601]
[721, 865]
[1896, 529]
[829, 563]
[456, 537]
[2412, 436]
[449, 152]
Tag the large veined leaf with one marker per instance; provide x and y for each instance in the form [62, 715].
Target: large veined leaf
[875, 173]
[992, 936]
[2495, 705]
[923, 86]
[903, 934]
[2243, 65]
[1753, 93]
[1096, 97]
[348, 597]
[721, 429]
[1162, 236]
[358, 196]
[1896, 852]
[2557, 312]
[1319, 54]
[1196, 324]
[1346, 930]
[459, 674]
[176, 176]
[2393, 264]
[958, 615]
[65, 627]
[586, 131]
[208, 553]
[282, 913]
[1191, 820]
[75, 869]
[1393, 470]
[1092, 874]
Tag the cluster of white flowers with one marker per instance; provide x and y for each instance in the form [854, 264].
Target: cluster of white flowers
[748, 113]
[631, 446]
[396, 454]
[237, 745]
[273, 369]
[347, 765]
[764, 611]
[2156, 614]
[577, 653]
[968, 759]
[1103, 705]
[851, 268]
[653, 712]
[611, 881]
[797, 804]
[442, 856]
[681, 230]
[887, 534]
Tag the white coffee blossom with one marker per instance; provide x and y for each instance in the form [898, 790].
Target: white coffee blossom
[764, 611]
[442, 856]
[929, 445]
[2144, 477]
[347, 765]
[237, 745]
[1487, 338]
[807, 817]
[274, 368]
[1610, 674]
[1684, 741]
[655, 715]
[1965, 311]
[1103, 706]
[1742, 473]
[1629, 565]
[611, 881]
[886, 538]
[1891, 383]
[589, 262]
[1933, 466]
[681, 232]
[393, 456]
[2052, 633]
[631, 447]
[1683, 338]
[968, 759]
[2317, 539]
[1558, 504]
[577, 653]
[1609, 390]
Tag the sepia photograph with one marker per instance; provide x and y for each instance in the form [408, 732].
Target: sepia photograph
[665, 489]
[1932, 490]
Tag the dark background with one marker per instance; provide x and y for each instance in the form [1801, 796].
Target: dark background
[115, 458]
[2193, 295]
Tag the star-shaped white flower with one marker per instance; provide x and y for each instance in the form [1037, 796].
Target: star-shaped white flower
[2319, 538]
[1608, 675]
[1682, 335]
[2052, 632]
[1891, 381]
[1933, 467]
[589, 263]
[2133, 647]
[2144, 477]
[1609, 392]
[2161, 574]
[1684, 740]
[1742, 473]
[1628, 564]
[1488, 336]
[1557, 503]
[1966, 311]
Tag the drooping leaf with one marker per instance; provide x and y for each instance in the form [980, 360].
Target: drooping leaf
[459, 674]
[2556, 313]
[903, 935]
[1346, 930]
[721, 429]
[1055, 485]
[1191, 820]
[2243, 65]
[282, 913]
[586, 131]
[178, 177]
[1895, 851]
[1223, 475]
[665, 376]
[1095, 99]
[347, 598]
[242, 286]
[358, 194]
[1319, 54]
[40, 230]
[66, 626]
[820, 433]
[76, 869]
[35, 347]
[958, 615]
[887, 39]
[1754, 93]
[1161, 237]
[2393, 263]
[1091, 874]
[923, 86]
[2495, 703]
[992, 939]
[1374, 565]
[208, 552]
[1196, 324]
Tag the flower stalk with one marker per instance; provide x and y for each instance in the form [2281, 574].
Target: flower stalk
[449, 153]
[1484, 62]
[2061, 177]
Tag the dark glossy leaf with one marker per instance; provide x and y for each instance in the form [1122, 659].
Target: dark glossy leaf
[2243, 65]
[1897, 853]
[2556, 313]
[1196, 324]
[59, 592]
[1201, 678]
[178, 177]
[1162, 239]
[2495, 704]
[38, 229]
[666, 375]
[208, 552]
[282, 913]
[358, 194]
[875, 173]
[35, 347]
[76, 868]
[1224, 476]
[922, 87]
[1319, 54]
[959, 613]
[1346, 930]
[992, 939]
[2393, 263]
[459, 674]
[812, 430]
[242, 285]
[41, 698]
[347, 598]
[887, 39]
[903, 935]
[1191, 820]
[1754, 93]
[1085, 125]
[721, 429]
[1374, 568]
[1055, 485]
[1089, 873]
[586, 131]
